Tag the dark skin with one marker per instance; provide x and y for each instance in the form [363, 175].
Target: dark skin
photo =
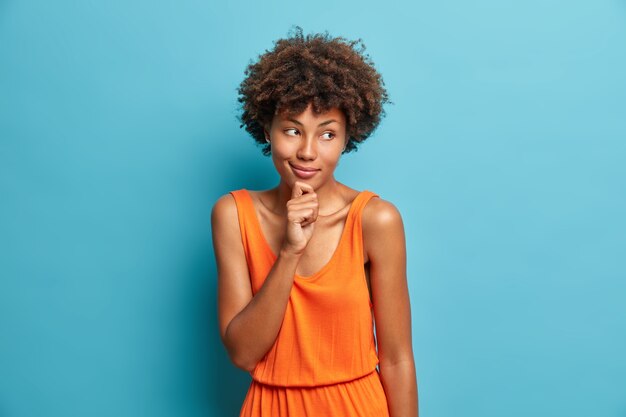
[299, 218]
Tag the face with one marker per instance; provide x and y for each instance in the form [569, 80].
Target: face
[307, 147]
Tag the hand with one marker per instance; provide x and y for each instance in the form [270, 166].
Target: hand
[302, 212]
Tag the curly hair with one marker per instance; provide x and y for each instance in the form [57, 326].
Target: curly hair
[319, 70]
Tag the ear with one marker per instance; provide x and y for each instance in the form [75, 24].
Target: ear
[266, 132]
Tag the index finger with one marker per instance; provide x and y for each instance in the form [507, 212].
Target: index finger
[300, 188]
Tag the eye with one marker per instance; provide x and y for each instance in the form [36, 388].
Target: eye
[287, 130]
[329, 133]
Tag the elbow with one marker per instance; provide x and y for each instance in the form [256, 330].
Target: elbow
[240, 359]
[242, 363]
[239, 356]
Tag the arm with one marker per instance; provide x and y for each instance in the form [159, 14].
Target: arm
[383, 234]
[248, 325]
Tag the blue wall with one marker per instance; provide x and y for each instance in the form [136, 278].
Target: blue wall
[504, 151]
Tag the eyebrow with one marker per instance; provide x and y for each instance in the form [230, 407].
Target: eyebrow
[321, 124]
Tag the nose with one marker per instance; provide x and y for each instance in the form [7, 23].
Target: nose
[308, 148]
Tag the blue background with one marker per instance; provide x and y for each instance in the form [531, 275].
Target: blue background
[504, 151]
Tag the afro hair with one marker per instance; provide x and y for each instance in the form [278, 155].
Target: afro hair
[314, 69]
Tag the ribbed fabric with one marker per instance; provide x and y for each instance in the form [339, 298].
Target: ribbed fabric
[324, 359]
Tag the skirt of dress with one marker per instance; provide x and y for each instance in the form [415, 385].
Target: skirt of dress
[361, 397]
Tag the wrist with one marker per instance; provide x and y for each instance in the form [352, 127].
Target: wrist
[290, 253]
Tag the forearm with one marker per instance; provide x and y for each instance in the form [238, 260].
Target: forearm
[400, 385]
[253, 331]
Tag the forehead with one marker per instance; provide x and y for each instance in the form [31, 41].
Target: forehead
[309, 116]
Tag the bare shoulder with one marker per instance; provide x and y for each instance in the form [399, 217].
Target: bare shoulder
[383, 228]
[379, 214]
[225, 220]
[224, 209]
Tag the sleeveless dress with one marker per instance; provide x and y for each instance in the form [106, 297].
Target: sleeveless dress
[324, 360]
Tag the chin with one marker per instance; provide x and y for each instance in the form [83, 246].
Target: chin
[291, 180]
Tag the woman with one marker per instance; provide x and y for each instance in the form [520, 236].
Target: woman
[305, 267]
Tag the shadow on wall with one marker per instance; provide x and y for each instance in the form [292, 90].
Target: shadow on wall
[228, 384]
[203, 382]
[207, 383]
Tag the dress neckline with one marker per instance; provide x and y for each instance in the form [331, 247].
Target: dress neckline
[333, 257]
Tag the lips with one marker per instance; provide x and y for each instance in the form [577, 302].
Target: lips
[301, 168]
[303, 172]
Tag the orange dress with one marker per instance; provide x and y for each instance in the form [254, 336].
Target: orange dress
[324, 360]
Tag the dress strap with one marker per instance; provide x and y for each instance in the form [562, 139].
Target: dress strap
[251, 235]
[357, 245]
[363, 198]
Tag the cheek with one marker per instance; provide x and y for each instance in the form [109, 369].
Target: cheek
[277, 159]
[329, 164]
[280, 155]
[330, 155]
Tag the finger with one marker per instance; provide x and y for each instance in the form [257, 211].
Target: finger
[303, 202]
[296, 190]
[304, 198]
[300, 188]
[295, 206]
[303, 217]
[313, 217]
[306, 187]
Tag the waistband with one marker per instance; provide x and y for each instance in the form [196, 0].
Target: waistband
[373, 373]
